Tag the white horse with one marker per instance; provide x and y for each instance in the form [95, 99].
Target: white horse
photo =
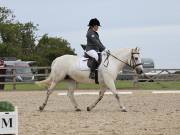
[67, 68]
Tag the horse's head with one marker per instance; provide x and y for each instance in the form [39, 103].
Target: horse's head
[130, 57]
[135, 61]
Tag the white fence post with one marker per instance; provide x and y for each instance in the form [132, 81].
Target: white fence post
[9, 122]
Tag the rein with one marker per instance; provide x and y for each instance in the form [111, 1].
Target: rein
[131, 61]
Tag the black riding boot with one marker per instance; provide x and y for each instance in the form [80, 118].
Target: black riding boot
[92, 74]
[93, 69]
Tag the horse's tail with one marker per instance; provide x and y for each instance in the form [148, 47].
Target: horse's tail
[48, 80]
[43, 83]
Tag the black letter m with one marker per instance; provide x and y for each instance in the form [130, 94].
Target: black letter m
[6, 123]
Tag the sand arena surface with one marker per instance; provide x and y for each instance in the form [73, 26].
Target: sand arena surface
[148, 114]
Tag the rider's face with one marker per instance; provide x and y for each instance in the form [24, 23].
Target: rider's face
[95, 28]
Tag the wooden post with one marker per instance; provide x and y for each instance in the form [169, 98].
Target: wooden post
[46, 72]
[14, 79]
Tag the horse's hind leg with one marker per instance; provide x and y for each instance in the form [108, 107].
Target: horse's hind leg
[101, 94]
[72, 86]
[49, 91]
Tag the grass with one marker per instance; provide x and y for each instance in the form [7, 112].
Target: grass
[162, 85]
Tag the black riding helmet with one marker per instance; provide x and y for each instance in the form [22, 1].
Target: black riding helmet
[94, 22]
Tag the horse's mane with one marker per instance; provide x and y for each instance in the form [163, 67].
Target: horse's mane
[120, 51]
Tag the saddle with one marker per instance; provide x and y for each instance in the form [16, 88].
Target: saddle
[92, 64]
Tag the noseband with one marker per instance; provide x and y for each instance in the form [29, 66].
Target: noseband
[132, 64]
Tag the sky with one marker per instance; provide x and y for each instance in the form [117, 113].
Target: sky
[151, 25]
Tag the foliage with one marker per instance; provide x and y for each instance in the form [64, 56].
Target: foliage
[19, 40]
[6, 106]
[6, 15]
[50, 47]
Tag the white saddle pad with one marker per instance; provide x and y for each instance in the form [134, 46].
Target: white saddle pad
[83, 63]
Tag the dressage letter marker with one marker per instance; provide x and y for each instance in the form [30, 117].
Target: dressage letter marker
[9, 122]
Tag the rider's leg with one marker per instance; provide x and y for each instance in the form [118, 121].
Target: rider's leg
[95, 63]
[93, 54]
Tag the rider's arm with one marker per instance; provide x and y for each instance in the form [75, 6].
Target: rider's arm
[95, 40]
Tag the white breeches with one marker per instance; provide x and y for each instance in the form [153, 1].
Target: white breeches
[93, 54]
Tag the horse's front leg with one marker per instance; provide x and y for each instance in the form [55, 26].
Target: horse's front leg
[110, 84]
[121, 105]
[72, 86]
[49, 91]
[101, 94]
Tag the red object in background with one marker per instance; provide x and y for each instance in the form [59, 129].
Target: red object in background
[1, 62]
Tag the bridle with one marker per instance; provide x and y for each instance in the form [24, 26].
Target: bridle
[132, 64]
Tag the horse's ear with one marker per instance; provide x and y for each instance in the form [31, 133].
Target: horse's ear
[137, 49]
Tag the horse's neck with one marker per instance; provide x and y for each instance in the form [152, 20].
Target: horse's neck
[116, 65]
[123, 54]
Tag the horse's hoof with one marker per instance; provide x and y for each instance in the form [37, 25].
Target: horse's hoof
[41, 108]
[88, 109]
[78, 110]
[123, 110]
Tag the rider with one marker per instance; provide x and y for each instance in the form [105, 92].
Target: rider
[94, 46]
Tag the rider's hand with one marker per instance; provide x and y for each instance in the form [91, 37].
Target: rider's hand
[106, 50]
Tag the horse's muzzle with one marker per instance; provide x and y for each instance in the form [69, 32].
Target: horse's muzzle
[139, 71]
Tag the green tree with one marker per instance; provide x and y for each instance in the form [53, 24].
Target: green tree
[18, 40]
[49, 48]
[6, 15]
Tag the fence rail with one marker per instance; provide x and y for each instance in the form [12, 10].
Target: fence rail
[12, 74]
[40, 73]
